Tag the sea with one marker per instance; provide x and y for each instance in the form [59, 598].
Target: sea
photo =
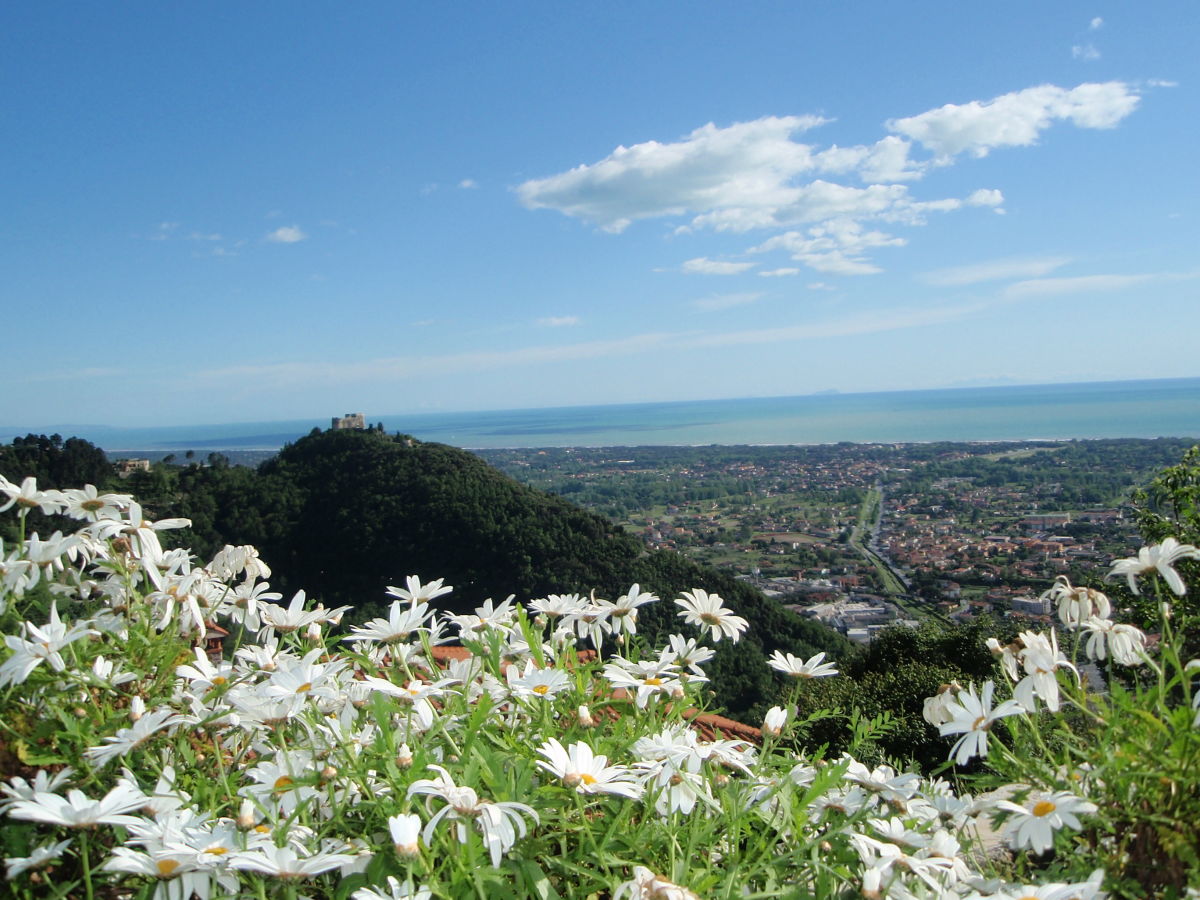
[1117, 409]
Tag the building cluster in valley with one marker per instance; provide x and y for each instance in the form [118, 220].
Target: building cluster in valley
[866, 536]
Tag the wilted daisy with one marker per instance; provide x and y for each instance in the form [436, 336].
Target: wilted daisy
[1076, 604]
[705, 610]
[645, 885]
[500, 824]
[1041, 659]
[1126, 644]
[936, 709]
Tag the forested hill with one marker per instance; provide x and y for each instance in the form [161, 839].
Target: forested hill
[344, 514]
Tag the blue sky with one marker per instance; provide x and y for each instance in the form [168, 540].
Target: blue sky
[244, 212]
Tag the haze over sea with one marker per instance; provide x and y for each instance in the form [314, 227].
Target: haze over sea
[1123, 409]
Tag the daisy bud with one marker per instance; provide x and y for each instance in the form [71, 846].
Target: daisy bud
[329, 773]
[404, 757]
[246, 817]
[585, 717]
[80, 712]
[1166, 610]
[137, 708]
[405, 830]
[721, 779]
[774, 721]
[314, 632]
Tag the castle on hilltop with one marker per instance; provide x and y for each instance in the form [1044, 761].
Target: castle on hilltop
[348, 422]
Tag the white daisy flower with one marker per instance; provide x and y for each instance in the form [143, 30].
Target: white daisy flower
[585, 771]
[705, 610]
[1033, 825]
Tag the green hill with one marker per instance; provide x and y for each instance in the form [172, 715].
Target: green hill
[344, 514]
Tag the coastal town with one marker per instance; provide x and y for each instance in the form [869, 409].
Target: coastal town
[864, 536]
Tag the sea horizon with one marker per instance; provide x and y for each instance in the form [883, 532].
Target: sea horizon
[1146, 408]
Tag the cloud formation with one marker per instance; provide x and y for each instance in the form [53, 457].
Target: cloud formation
[704, 266]
[995, 270]
[725, 301]
[1016, 119]
[1057, 287]
[558, 321]
[760, 176]
[287, 234]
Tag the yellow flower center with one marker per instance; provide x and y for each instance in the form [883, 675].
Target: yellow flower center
[217, 851]
[304, 688]
[542, 689]
[1044, 808]
[710, 618]
[587, 778]
[166, 867]
[219, 680]
[653, 681]
[283, 782]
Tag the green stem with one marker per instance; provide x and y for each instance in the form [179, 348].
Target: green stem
[84, 854]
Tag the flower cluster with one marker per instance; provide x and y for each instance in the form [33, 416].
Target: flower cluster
[370, 761]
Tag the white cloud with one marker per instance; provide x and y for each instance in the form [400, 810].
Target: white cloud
[558, 321]
[287, 234]
[1086, 52]
[1016, 119]
[836, 247]
[779, 273]
[201, 236]
[1057, 287]
[820, 286]
[1095, 24]
[758, 176]
[704, 266]
[995, 270]
[985, 197]
[468, 183]
[725, 301]
[743, 166]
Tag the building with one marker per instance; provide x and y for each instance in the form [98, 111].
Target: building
[1031, 606]
[126, 467]
[349, 422]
